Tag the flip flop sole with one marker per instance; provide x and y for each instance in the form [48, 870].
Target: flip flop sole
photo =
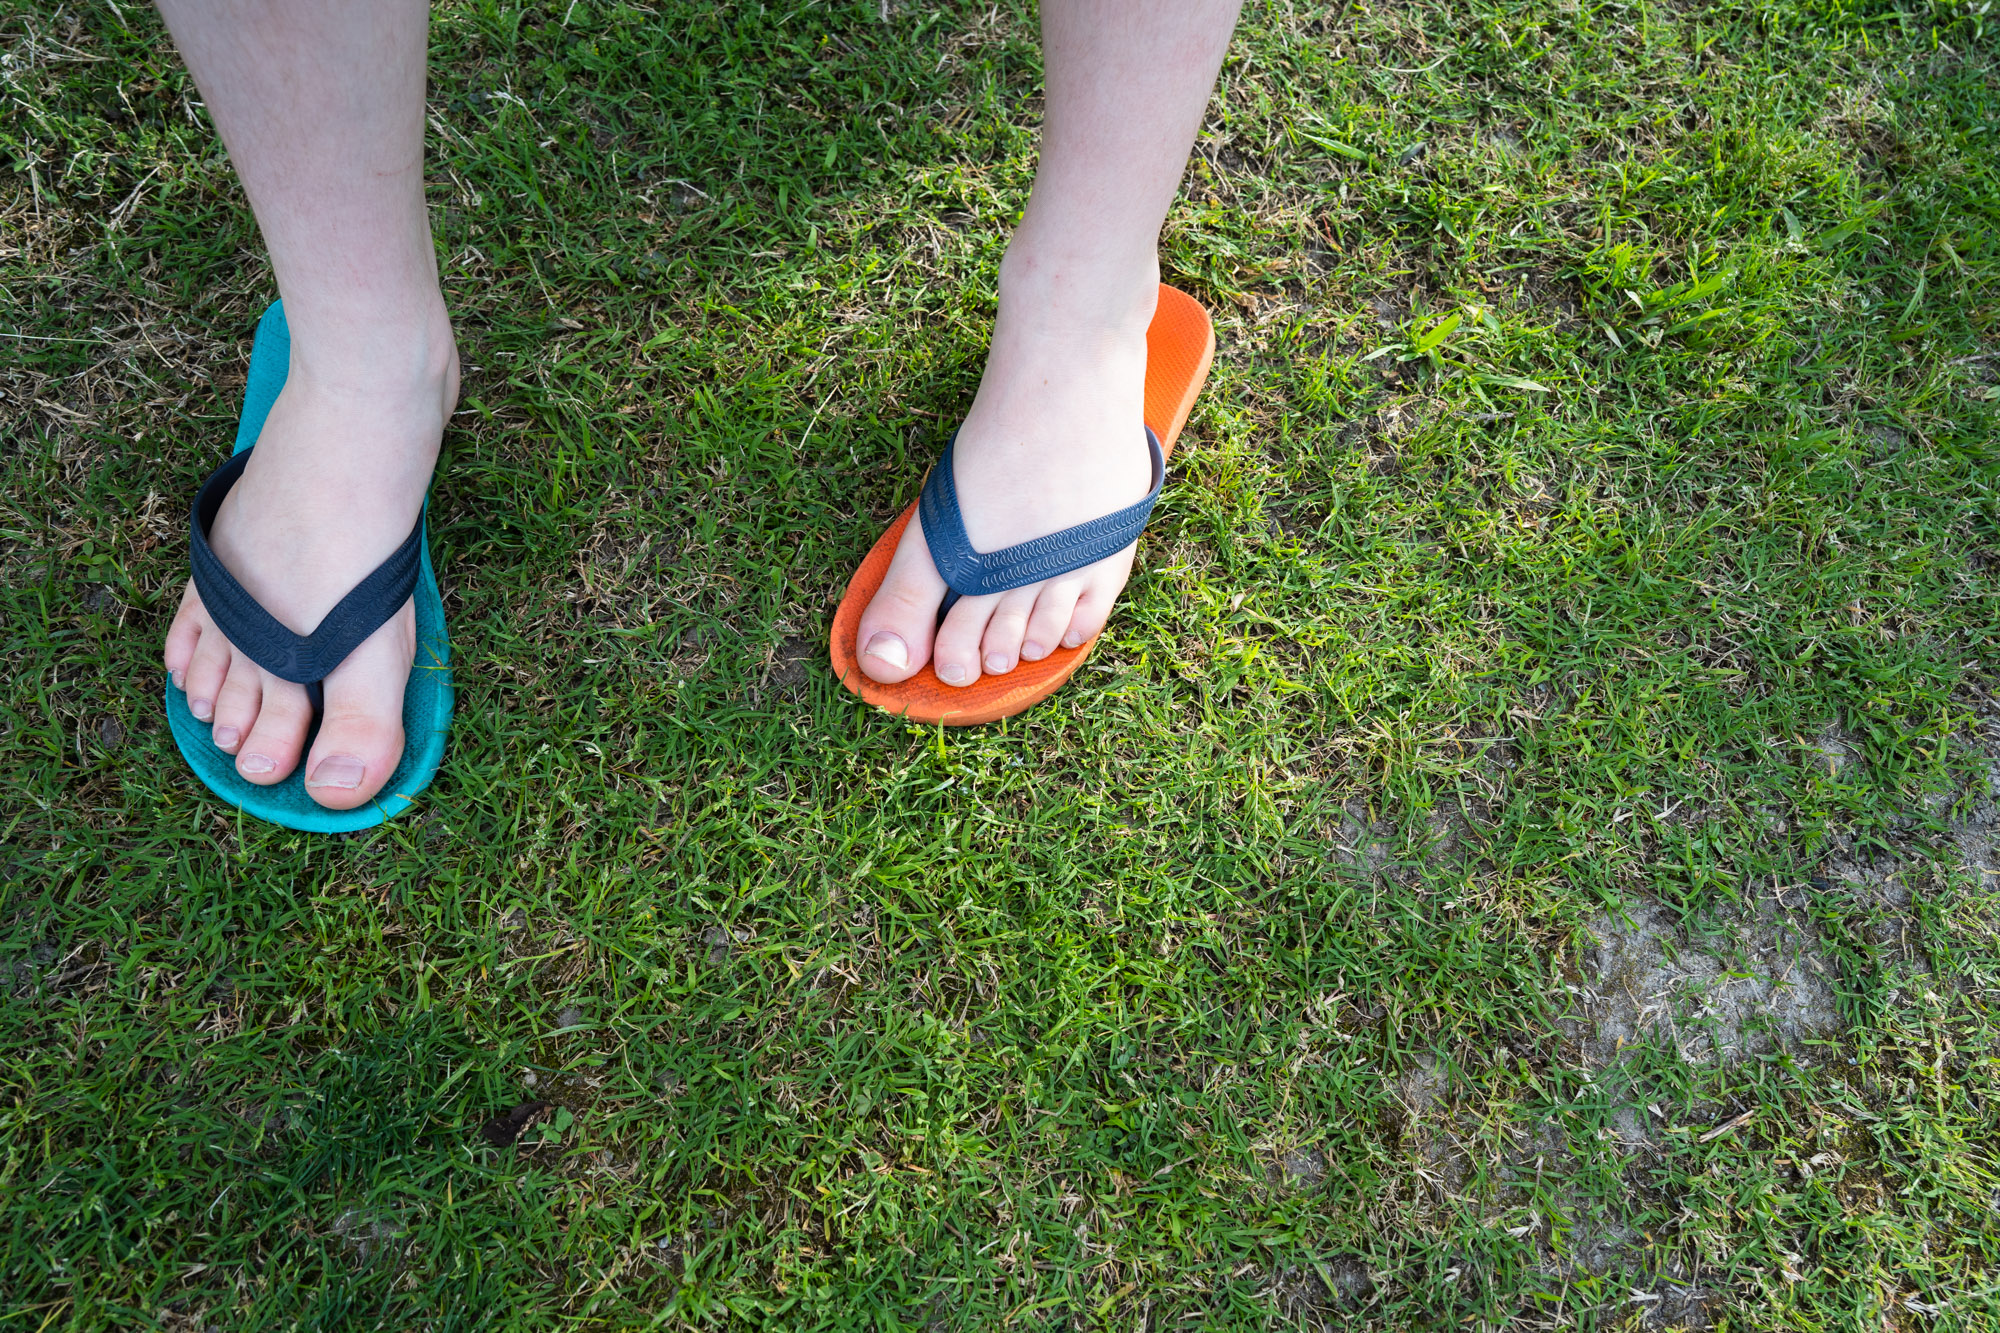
[427, 699]
[1180, 344]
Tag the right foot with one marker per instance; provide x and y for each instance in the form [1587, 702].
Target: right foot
[335, 485]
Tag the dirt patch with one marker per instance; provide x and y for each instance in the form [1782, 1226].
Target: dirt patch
[793, 662]
[1362, 843]
[1976, 832]
[1946, 850]
[1832, 752]
[1645, 979]
[1320, 1297]
[1419, 1087]
[1422, 1098]
[1304, 1167]
[723, 941]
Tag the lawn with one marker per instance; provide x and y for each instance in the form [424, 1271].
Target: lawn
[1527, 853]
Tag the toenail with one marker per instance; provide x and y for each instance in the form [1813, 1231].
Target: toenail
[337, 770]
[256, 763]
[178, 684]
[997, 664]
[890, 649]
[1072, 640]
[1033, 651]
[201, 708]
[225, 737]
[951, 674]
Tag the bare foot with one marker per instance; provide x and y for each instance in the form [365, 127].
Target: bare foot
[1055, 438]
[335, 485]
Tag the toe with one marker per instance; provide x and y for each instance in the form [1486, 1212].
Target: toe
[1054, 603]
[955, 654]
[1093, 605]
[206, 670]
[236, 704]
[894, 640]
[270, 750]
[1000, 649]
[183, 635]
[361, 737]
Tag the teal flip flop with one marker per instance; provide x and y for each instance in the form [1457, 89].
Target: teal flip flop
[307, 658]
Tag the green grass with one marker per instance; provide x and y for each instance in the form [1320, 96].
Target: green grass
[1603, 428]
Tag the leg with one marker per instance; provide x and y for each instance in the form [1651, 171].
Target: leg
[1053, 435]
[321, 105]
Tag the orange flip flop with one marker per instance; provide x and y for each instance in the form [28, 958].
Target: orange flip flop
[1180, 344]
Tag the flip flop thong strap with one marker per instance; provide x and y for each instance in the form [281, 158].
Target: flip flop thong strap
[305, 659]
[970, 573]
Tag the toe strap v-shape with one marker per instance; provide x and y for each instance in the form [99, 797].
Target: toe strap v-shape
[970, 573]
[304, 659]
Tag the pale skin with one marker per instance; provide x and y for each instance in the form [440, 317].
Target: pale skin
[321, 106]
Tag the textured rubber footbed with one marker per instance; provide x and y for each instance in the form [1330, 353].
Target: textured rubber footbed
[1179, 346]
[426, 700]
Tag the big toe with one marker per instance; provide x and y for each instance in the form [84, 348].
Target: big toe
[360, 737]
[894, 640]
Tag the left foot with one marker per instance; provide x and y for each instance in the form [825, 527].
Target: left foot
[1055, 438]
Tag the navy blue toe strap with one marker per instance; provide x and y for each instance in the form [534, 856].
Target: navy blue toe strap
[302, 658]
[970, 573]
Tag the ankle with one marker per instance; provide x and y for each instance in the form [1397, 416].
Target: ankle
[343, 353]
[362, 415]
[1057, 289]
